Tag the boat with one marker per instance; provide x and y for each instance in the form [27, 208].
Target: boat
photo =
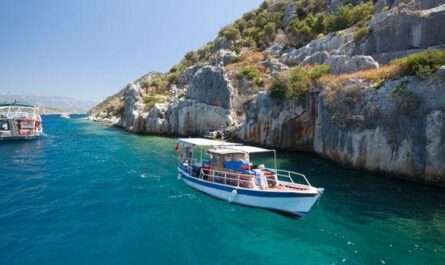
[223, 170]
[65, 115]
[20, 121]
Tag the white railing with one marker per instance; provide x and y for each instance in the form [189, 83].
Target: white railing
[290, 174]
[227, 178]
[19, 115]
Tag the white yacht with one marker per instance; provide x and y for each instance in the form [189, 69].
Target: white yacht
[19, 121]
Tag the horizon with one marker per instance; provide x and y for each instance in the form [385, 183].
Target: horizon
[91, 50]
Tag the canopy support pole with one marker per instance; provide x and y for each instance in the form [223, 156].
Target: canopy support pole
[201, 156]
[275, 160]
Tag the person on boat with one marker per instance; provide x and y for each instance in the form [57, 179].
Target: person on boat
[260, 178]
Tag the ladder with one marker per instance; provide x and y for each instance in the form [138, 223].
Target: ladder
[13, 127]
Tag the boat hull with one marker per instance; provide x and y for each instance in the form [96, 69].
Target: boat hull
[19, 137]
[289, 202]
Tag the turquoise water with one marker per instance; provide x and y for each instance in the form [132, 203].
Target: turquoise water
[87, 194]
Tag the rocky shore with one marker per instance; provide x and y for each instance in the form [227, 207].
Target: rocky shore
[395, 125]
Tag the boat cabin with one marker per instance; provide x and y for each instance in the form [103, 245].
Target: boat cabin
[227, 163]
[19, 121]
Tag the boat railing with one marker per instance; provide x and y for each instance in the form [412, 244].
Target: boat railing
[19, 115]
[291, 175]
[227, 178]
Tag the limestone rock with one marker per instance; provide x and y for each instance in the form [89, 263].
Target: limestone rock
[274, 65]
[222, 43]
[222, 57]
[330, 43]
[404, 30]
[209, 85]
[133, 108]
[189, 117]
[316, 58]
[290, 12]
[271, 122]
[275, 49]
[185, 76]
[344, 64]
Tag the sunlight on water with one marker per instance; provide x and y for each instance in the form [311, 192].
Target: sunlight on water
[88, 194]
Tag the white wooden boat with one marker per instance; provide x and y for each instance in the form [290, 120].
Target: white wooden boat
[19, 121]
[228, 175]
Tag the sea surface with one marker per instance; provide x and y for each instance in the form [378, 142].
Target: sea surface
[89, 194]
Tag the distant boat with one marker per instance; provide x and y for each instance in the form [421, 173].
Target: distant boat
[20, 121]
[65, 115]
[229, 175]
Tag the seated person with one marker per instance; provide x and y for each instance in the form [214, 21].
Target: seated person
[260, 178]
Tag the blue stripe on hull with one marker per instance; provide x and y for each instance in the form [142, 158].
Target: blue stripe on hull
[245, 191]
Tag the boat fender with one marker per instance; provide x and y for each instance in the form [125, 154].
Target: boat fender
[179, 176]
[232, 196]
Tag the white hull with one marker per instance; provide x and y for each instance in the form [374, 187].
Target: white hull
[289, 202]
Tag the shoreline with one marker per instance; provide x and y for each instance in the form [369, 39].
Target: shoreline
[114, 122]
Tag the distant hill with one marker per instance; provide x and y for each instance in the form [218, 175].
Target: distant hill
[61, 104]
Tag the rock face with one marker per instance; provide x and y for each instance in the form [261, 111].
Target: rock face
[222, 43]
[343, 64]
[222, 57]
[399, 128]
[274, 65]
[316, 58]
[207, 107]
[210, 86]
[133, 108]
[186, 117]
[401, 31]
[275, 49]
[271, 122]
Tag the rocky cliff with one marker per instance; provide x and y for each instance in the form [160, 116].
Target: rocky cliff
[311, 77]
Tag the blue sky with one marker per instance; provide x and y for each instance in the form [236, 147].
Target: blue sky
[89, 49]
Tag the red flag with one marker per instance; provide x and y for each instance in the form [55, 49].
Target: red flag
[177, 147]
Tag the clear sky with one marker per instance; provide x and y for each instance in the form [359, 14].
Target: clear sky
[89, 49]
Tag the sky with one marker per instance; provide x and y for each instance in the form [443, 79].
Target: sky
[90, 49]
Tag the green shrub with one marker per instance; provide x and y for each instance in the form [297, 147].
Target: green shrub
[265, 17]
[241, 24]
[230, 33]
[360, 34]
[269, 29]
[249, 16]
[320, 25]
[191, 57]
[249, 72]
[236, 49]
[347, 15]
[236, 59]
[300, 32]
[278, 87]
[318, 71]
[298, 83]
[151, 99]
[295, 83]
[421, 64]
[172, 78]
[309, 24]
